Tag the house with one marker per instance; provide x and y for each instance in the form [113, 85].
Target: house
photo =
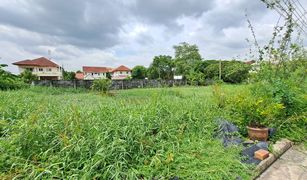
[91, 72]
[121, 72]
[255, 67]
[42, 67]
[79, 76]
[250, 62]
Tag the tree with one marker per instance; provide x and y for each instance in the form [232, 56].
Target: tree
[139, 72]
[212, 71]
[69, 75]
[232, 71]
[235, 72]
[27, 76]
[108, 75]
[197, 75]
[186, 58]
[161, 68]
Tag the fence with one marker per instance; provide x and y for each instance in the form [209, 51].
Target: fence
[116, 84]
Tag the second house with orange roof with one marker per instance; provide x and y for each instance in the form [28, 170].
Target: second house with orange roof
[94, 72]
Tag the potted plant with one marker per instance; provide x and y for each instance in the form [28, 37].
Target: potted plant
[263, 112]
[256, 114]
[255, 132]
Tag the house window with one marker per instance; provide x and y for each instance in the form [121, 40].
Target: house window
[120, 72]
[30, 69]
[49, 69]
[40, 69]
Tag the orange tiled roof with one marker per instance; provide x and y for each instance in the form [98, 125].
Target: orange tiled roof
[93, 69]
[250, 62]
[121, 68]
[41, 62]
[79, 76]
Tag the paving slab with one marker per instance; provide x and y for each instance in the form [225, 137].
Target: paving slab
[292, 165]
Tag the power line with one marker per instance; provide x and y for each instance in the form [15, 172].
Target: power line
[294, 13]
[301, 16]
[280, 13]
[280, 9]
[304, 11]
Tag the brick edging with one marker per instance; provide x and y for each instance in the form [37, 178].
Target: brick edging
[279, 148]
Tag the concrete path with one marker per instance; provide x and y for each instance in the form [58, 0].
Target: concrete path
[292, 165]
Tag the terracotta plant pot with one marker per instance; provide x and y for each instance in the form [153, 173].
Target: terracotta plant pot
[260, 134]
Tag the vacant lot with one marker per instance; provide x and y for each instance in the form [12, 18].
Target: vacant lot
[141, 133]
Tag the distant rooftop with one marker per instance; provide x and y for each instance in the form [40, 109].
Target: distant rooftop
[121, 68]
[93, 69]
[40, 62]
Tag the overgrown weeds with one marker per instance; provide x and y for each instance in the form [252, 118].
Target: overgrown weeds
[141, 133]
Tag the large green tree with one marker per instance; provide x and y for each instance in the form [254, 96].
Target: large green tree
[232, 71]
[139, 72]
[236, 71]
[161, 68]
[186, 58]
[197, 74]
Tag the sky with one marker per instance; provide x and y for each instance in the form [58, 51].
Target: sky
[130, 32]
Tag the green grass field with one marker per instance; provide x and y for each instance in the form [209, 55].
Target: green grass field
[136, 134]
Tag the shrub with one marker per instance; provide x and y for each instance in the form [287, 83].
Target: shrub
[139, 72]
[9, 81]
[219, 96]
[255, 111]
[102, 85]
[232, 71]
[274, 104]
[236, 72]
[27, 76]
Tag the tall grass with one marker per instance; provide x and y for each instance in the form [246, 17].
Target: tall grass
[137, 134]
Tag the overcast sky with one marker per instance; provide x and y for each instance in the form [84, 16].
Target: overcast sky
[128, 32]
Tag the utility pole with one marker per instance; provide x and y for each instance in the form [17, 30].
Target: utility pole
[220, 70]
[62, 70]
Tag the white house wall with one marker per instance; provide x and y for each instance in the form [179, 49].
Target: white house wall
[43, 71]
[92, 76]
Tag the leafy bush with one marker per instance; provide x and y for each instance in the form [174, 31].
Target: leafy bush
[9, 81]
[236, 72]
[219, 96]
[277, 105]
[69, 75]
[101, 85]
[139, 72]
[232, 71]
[250, 110]
[28, 77]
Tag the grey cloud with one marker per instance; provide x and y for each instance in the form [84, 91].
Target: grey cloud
[82, 23]
[166, 11]
[101, 32]
[233, 14]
